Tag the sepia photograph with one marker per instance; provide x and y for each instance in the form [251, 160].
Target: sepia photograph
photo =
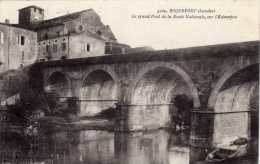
[129, 81]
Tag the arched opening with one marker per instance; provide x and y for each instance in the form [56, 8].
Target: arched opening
[236, 106]
[58, 84]
[160, 95]
[98, 93]
[58, 92]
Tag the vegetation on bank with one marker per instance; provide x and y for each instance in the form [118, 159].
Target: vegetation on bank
[33, 103]
[36, 108]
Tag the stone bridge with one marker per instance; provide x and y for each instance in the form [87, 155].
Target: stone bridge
[221, 81]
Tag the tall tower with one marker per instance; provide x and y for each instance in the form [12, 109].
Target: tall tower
[30, 15]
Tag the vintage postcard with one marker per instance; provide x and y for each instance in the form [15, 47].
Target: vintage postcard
[129, 81]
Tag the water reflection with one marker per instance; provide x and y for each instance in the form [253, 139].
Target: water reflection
[142, 147]
[178, 147]
[96, 147]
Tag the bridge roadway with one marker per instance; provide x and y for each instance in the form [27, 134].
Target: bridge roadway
[221, 81]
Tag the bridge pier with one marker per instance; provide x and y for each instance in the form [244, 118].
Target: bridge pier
[147, 117]
[230, 125]
[211, 129]
[202, 124]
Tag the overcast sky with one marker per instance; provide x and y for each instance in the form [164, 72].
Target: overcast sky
[157, 33]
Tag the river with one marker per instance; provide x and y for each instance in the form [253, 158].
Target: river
[98, 147]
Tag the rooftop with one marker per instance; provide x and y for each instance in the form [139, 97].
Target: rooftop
[70, 15]
[32, 6]
[51, 22]
[16, 26]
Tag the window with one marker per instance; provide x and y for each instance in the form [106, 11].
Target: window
[43, 49]
[39, 49]
[99, 32]
[46, 36]
[108, 48]
[63, 46]
[80, 28]
[69, 26]
[22, 40]
[123, 50]
[48, 49]
[55, 47]
[1, 37]
[88, 47]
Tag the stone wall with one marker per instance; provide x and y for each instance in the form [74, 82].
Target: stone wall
[30, 15]
[77, 45]
[18, 47]
[76, 22]
[54, 49]
[84, 45]
[84, 33]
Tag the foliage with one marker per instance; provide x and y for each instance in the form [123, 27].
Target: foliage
[184, 105]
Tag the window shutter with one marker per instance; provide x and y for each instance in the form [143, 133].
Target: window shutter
[1, 37]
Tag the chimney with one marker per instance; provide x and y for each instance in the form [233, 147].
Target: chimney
[7, 21]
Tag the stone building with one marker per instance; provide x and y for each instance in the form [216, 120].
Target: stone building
[17, 47]
[76, 35]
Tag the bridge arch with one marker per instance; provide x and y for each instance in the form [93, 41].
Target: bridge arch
[98, 92]
[58, 83]
[158, 95]
[176, 70]
[235, 103]
[107, 70]
[220, 83]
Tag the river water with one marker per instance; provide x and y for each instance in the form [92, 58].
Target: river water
[98, 147]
